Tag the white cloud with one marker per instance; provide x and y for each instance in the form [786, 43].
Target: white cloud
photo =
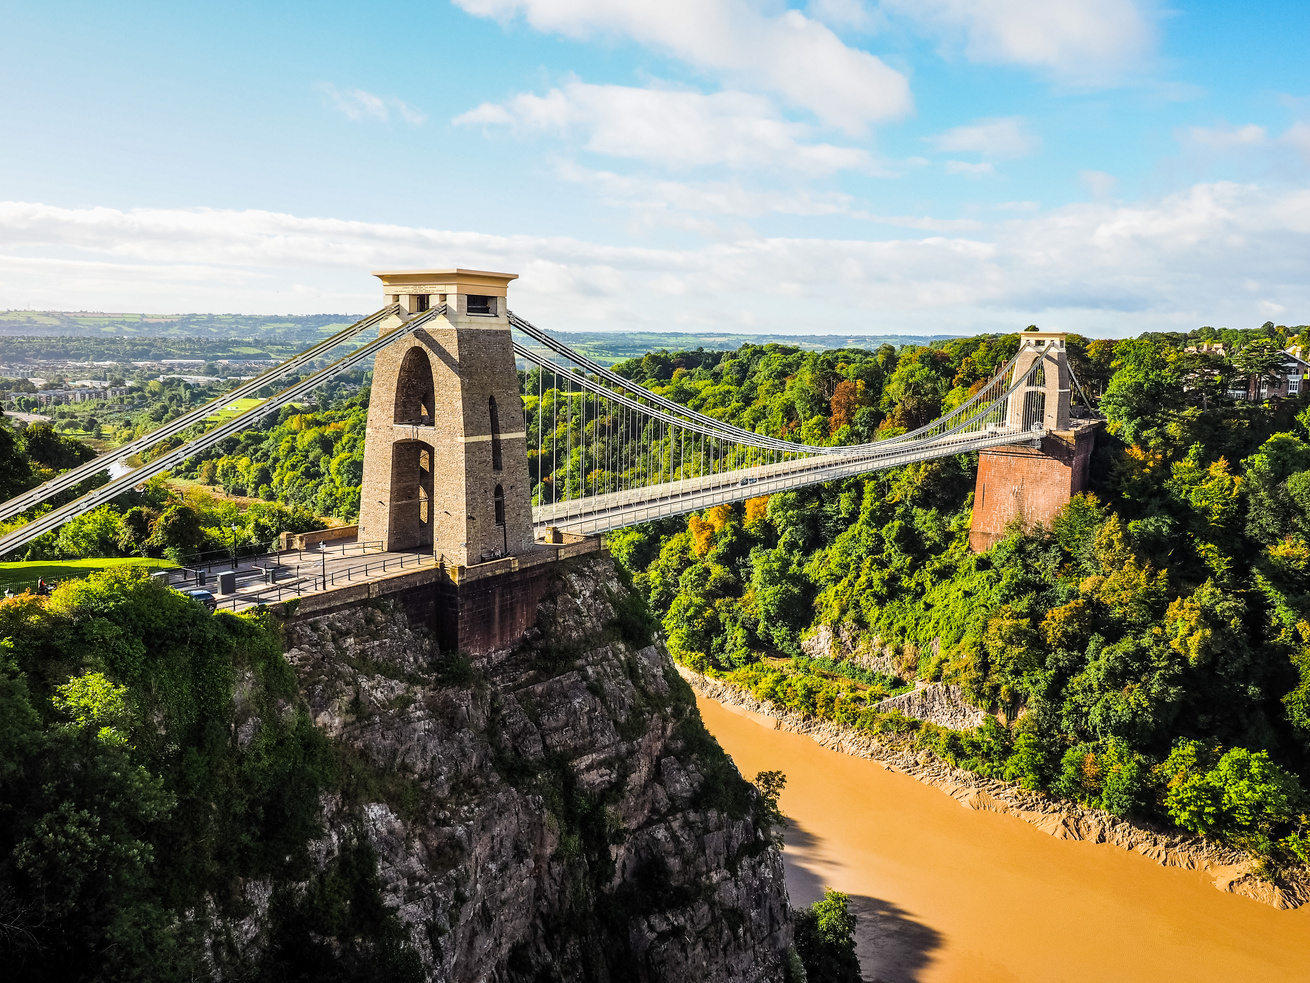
[786, 53]
[677, 129]
[1006, 137]
[728, 198]
[1103, 268]
[669, 203]
[1099, 183]
[356, 104]
[1076, 40]
[969, 170]
[1224, 137]
[854, 14]
[1249, 140]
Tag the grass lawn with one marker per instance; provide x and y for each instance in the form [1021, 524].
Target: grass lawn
[231, 409]
[20, 576]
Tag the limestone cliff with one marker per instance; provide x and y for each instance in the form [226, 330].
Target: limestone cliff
[553, 812]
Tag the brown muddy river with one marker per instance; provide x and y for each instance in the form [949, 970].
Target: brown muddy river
[944, 893]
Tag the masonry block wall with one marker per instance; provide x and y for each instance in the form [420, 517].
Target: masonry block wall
[445, 455]
[1028, 483]
[492, 613]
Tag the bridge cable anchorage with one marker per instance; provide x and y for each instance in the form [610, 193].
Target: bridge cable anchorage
[674, 480]
[169, 460]
[62, 482]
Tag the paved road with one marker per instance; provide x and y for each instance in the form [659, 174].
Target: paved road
[293, 573]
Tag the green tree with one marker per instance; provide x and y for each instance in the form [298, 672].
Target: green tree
[825, 939]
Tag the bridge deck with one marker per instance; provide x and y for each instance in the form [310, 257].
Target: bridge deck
[603, 513]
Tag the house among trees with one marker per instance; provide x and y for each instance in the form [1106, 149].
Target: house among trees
[1283, 377]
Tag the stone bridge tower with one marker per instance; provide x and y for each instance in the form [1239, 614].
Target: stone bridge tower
[445, 458]
[1032, 482]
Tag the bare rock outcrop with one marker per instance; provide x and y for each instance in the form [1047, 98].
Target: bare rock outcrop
[553, 812]
[936, 703]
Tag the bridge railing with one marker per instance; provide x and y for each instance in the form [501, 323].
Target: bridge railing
[313, 581]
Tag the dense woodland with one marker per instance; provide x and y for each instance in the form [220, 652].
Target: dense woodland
[1149, 653]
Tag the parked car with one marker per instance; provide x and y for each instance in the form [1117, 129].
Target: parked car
[202, 596]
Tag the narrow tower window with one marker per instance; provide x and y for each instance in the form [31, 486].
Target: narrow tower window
[421, 303]
[499, 496]
[495, 433]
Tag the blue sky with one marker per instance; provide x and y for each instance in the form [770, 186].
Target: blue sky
[841, 166]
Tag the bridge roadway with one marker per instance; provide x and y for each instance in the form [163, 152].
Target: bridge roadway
[273, 577]
[602, 513]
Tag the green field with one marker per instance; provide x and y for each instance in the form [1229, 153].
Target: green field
[21, 576]
[231, 409]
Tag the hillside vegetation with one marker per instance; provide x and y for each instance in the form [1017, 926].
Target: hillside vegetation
[1149, 653]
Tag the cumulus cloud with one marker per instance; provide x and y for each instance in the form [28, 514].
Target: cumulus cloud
[670, 203]
[854, 14]
[356, 104]
[673, 128]
[1005, 137]
[970, 170]
[786, 52]
[1223, 137]
[1213, 254]
[1250, 140]
[1075, 40]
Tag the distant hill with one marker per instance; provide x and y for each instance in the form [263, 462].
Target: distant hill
[95, 324]
[615, 346]
[283, 331]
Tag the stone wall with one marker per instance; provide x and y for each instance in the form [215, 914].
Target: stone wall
[936, 703]
[1029, 483]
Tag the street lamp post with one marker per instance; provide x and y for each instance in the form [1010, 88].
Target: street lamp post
[322, 552]
[233, 527]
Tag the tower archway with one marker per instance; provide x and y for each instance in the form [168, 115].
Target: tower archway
[415, 392]
[412, 522]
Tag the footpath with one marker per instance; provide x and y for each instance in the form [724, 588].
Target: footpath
[1232, 870]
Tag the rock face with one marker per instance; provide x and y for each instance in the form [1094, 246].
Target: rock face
[937, 703]
[843, 642]
[554, 812]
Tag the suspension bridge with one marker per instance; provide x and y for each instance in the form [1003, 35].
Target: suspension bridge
[488, 437]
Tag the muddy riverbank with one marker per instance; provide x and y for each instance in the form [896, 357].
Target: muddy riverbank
[1229, 870]
[948, 895]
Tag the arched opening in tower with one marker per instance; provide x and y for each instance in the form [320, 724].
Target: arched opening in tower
[411, 525]
[495, 434]
[1034, 399]
[415, 392]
